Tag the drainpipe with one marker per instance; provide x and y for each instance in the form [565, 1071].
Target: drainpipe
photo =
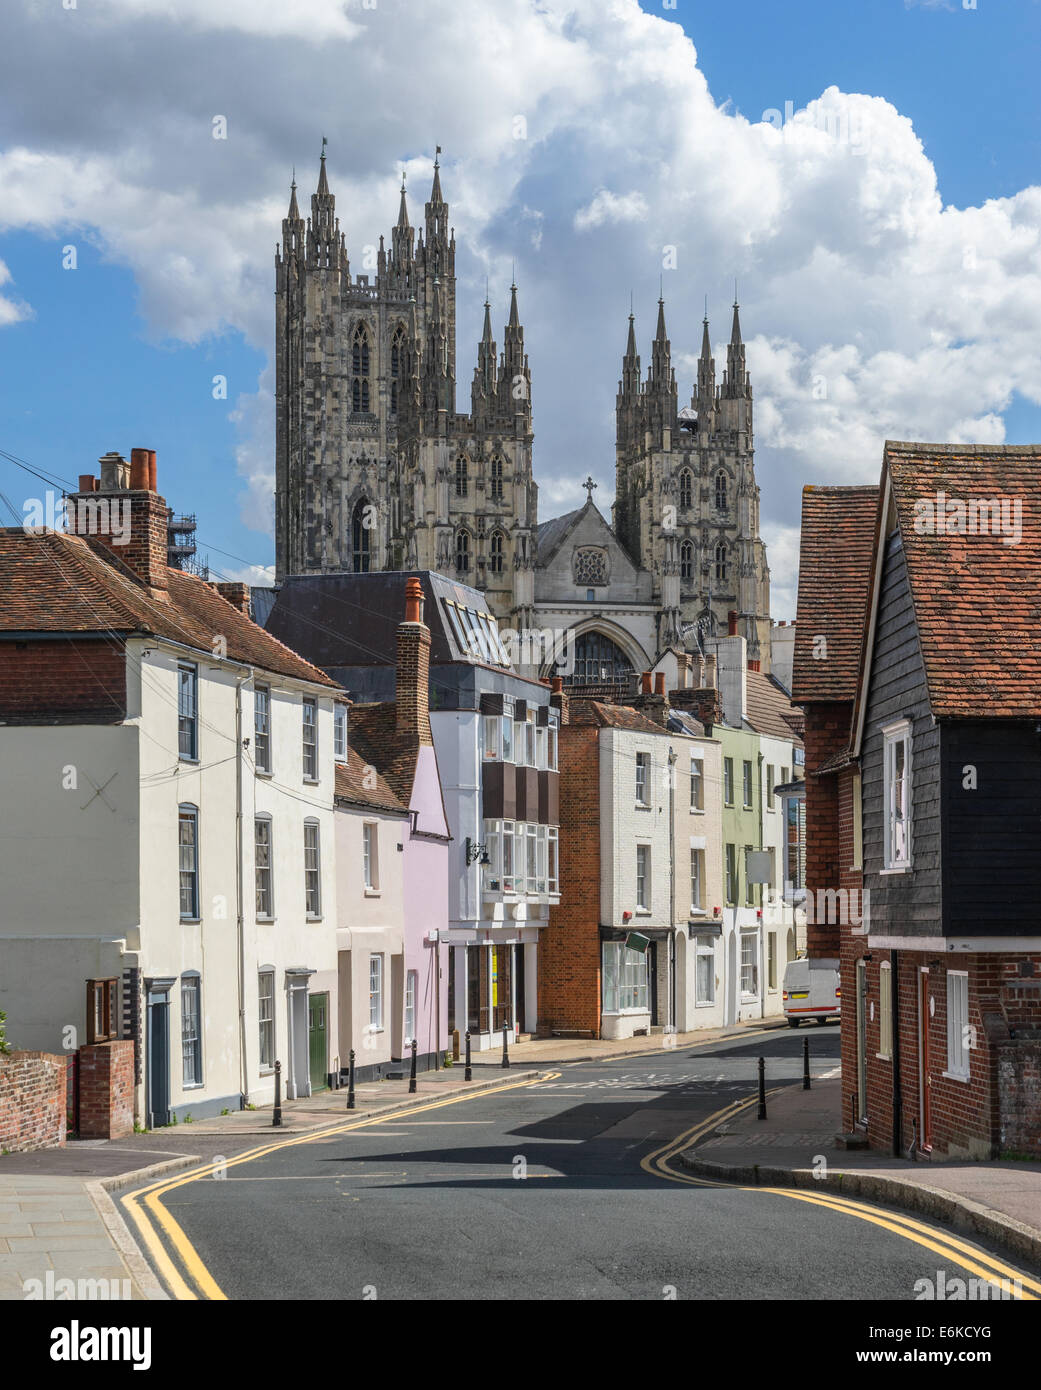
[239, 920]
[894, 1014]
[762, 915]
[671, 959]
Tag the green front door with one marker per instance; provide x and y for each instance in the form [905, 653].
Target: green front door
[317, 1029]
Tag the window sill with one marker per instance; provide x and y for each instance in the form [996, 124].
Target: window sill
[896, 869]
[191, 921]
[373, 1031]
[312, 781]
[310, 918]
[624, 1013]
[643, 912]
[956, 1076]
[265, 921]
[192, 762]
[373, 893]
[264, 772]
[697, 810]
[642, 806]
[704, 1003]
[883, 1056]
[193, 1086]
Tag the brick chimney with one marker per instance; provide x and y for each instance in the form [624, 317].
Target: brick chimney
[413, 676]
[559, 698]
[651, 699]
[236, 594]
[125, 513]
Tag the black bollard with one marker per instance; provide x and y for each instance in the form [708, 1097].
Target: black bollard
[762, 1088]
[505, 1049]
[412, 1072]
[276, 1114]
[468, 1075]
[350, 1081]
[805, 1064]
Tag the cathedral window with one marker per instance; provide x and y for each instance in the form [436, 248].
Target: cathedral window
[462, 552]
[590, 567]
[686, 560]
[462, 477]
[361, 390]
[686, 488]
[721, 561]
[597, 661]
[397, 365]
[361, 536]
[496, 478]
[498, 546]
[721, 491]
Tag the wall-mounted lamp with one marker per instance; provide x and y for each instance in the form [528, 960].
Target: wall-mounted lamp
[476, 853]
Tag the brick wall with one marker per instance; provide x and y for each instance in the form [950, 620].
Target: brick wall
[32, 1101]
[569, 947]
[82, 676]
[999, 1105]
[106, 1079]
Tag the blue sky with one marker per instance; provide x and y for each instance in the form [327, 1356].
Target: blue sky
[104, 144]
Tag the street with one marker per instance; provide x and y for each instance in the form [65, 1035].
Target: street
[538, 1192]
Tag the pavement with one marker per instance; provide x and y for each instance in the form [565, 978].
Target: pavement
[795, 1146]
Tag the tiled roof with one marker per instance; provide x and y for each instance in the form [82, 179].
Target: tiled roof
[977, 600]
[612, 717]
[374, 734]
[53, 582]
[769, 709]
[835, 553]
[360, 784]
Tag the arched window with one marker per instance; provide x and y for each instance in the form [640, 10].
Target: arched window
[495, 558]
[686, 560]
[397, 365]
[496, 481]
[462, 551]
[462, 477]
[361, 536]
[721, 491]
[361, 394]
[597, 661]
[686, 488]
[721, 561]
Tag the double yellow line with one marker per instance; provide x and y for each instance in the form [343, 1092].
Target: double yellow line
[150, 1217]
[949, 1247]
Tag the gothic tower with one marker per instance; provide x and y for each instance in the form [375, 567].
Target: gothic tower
[686, 499]
[375, 469]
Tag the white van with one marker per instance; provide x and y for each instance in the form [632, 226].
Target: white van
[810, 993]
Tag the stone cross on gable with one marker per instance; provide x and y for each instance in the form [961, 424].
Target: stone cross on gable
[589, 485]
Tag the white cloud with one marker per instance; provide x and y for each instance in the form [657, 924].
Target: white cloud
[11, 310]
[611, 207]
[581, 139]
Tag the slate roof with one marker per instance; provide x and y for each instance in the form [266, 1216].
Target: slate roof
[769, 710]
[359, 783]
[835, 554]
[550, 533]
[54, 582]
[977, 600]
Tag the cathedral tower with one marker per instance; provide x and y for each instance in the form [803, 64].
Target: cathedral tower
[374, 468]
[686, 499]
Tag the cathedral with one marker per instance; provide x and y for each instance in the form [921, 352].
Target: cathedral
[377, 469]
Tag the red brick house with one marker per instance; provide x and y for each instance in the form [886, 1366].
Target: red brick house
[942, 979]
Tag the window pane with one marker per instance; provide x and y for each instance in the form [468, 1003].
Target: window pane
[262, 728]
[266, 1011]
[263, 862]
[188, 863]
[191, 1043]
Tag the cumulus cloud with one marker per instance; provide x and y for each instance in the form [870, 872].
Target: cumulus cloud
[582, 141]
[11, 310]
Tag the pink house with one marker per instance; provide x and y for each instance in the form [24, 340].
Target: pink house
[394, 736]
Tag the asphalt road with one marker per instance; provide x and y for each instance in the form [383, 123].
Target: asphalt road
[538, 1192]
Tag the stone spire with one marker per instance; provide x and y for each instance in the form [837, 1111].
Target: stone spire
[514, 376]
[736, 383]
[325, 244]
[485, 375]
[705, 394]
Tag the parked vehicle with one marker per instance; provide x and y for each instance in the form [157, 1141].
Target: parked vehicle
[810, 993]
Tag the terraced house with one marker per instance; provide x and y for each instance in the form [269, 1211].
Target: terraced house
[183, 759]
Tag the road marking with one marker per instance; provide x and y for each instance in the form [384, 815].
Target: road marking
[155, 1216]
[958, 1251]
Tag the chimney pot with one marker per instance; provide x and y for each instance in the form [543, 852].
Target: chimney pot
[413, 601]
[557, 684]
[645, 683]
[732, 623]
[87, 482]
[139, 470]
[152, 479]
[659, 682]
